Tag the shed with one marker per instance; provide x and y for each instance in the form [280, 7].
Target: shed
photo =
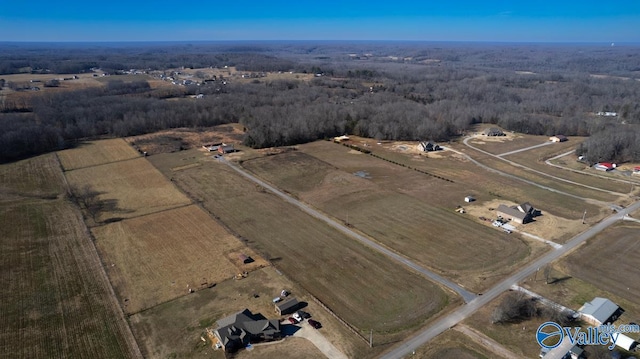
[287, 307]
[600, 311]
[245, 258]
[469, 199]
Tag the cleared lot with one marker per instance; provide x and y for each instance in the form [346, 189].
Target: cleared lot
[95, 153]
[155, 258]
[128, 189]
[323, 261]
[430, 235]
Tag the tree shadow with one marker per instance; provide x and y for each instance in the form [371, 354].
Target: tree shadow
[558, 280]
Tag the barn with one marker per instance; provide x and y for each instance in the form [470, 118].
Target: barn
[604, 166]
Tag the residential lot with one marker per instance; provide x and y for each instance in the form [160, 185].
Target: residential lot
[320, 259]
[155, 258]
[56, 300]
[128, 189]
[173, 329]
[416, 228]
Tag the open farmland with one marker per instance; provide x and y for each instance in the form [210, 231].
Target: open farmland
[432, 236]
[610, 261]
[174, 328]
[37, 177]
[512, 142]
[95, 153]
[322, 260]
[128, 189]
[155, 258]
[56, 299]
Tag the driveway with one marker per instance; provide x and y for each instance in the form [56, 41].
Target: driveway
[315, 337]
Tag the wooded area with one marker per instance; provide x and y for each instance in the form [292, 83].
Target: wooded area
[399, 91]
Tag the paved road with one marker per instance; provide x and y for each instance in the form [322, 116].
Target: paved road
[491, 169]
[465, 294]
[466, 140]
[525, 149]
[465, 311]
[548, 162]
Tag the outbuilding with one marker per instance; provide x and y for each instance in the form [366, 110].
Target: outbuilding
[558, 138]
[604, 166]
[287, 307]
[600, 311]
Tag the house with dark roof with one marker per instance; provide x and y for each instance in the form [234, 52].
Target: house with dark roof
[242, 328]
[600, 311]
[522, 213]
[493, 131]
[428, 146]
[287, 307]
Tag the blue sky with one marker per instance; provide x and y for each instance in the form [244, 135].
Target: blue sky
[162, 20]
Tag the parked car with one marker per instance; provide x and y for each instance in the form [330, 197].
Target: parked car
[315, 324]
[304, 314]
[297, 316]
[292, 320]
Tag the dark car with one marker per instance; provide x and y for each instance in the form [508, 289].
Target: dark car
[314, 324]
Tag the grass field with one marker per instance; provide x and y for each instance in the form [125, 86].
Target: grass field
[323, 261]
[452, 345]
[173, 329]
[617, 250]
[512, 142]
[416, 228]
[95, 153]
[155, 258]
[535, 159]
[467, 179]
[56, 300]
[128, 189]
[36, 177]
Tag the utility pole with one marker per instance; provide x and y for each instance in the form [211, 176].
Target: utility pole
[584, 215]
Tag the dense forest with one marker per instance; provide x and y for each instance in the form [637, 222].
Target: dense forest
[412, 91]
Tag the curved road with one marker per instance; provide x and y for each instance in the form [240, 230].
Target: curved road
[548, 162]
[466, 140]
[465, 294]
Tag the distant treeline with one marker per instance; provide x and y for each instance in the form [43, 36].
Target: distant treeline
[375, 98]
